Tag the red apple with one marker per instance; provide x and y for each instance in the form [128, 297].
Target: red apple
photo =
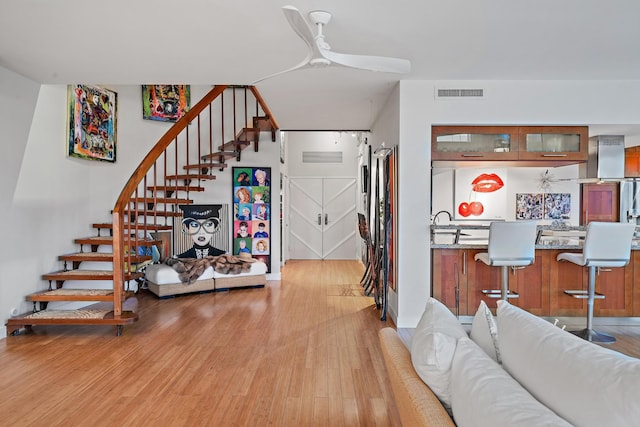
[476, 208]
[464, 209]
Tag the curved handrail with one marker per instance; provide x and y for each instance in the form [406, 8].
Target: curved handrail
[120, 262]
[162, 144]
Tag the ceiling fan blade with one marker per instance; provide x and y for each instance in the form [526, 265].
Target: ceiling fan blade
[300, 65]
[366, 62]
[299, 25]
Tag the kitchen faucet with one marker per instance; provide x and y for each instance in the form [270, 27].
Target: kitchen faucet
[435, 217]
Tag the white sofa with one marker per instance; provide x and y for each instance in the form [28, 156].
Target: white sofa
[164, 281]
[514, 369]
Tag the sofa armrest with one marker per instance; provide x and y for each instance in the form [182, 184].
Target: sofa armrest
[416, 403]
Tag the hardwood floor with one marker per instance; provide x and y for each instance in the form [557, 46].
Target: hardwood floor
[300, 352]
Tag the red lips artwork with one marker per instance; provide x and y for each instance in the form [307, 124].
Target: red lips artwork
[483, 183]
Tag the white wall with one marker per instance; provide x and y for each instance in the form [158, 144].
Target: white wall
[48, 199]
[505, 102]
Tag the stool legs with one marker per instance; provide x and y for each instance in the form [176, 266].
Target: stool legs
[589, 334]
[505, 283]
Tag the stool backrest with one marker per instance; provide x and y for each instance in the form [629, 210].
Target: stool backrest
[608, 244]
[512, 241]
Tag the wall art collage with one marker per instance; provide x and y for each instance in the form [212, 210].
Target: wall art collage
[252, 212]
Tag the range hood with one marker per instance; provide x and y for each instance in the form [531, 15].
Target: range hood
[606, 159]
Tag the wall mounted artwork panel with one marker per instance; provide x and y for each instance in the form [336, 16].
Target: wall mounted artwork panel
[480, 194]
[91, 122]
[166, 103]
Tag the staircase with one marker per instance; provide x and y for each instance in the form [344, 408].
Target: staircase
[177, 166]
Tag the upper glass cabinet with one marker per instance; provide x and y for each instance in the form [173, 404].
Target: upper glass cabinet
[567, 144]
[474, 143]
[549, 142]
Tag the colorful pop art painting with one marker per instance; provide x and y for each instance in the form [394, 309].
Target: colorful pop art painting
[91, 129]
[480, 194]
[166, 103]
[543, 205]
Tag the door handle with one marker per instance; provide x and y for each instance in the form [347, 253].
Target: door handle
[326, 219]
[319, 219]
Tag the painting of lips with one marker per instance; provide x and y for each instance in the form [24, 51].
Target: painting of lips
[478, 195]
[487, 183]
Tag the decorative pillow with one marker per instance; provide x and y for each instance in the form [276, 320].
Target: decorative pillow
[584, 383]
[483, 394]
[484, 332]
[432, 348]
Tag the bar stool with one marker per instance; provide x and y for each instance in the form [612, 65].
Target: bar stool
[606, 244]
[511, 244]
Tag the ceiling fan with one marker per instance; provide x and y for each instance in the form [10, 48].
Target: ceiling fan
[320, 53]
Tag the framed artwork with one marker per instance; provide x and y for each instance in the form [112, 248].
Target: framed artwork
[91, 124]
[252, 212]
[543, 205]
[165, 103]
[480, 194]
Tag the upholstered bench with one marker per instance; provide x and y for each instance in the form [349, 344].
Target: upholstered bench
[164, 281]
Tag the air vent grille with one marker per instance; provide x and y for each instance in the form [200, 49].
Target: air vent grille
[459, 93]
[322, 157]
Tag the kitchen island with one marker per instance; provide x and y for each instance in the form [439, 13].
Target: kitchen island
[458, 281]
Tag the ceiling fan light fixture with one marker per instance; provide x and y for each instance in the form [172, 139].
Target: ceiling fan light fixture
[320, 17]
[319, 62]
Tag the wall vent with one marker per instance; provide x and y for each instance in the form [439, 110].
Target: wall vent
[322, 157]
[459, 93]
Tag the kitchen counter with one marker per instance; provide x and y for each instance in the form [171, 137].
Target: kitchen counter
[455, 236]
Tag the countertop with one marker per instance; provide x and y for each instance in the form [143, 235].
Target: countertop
[463, 236]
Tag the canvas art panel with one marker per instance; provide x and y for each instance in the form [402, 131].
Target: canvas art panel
[480, 194]
[92, 122]
[251, 188]
[166, 103]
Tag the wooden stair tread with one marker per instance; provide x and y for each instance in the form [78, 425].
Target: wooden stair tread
[248, 134]
[159, 200]
[151, 213]
[108, 240]
[100, 256]
[73, 317]
[263, 123]
[66, 294]
[190, 176]
[225, 154]
[174, 188]
[87, 275]
[140, 227]
[205, 166]
[233, 144]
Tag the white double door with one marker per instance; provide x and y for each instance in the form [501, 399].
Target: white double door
[322, 218]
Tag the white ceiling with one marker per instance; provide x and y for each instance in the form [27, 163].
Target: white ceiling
[238, 42]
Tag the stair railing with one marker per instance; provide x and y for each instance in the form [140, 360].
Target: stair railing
[180, 149]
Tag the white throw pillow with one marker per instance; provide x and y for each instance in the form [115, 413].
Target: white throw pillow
[584, 383]
[484, 332]
[432, 348]
[483, 394]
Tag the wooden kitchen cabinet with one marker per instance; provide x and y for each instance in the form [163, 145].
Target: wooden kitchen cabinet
[448, 271]
[564, 143]
[563, 276]
[632, 162]
[471, 143]
[532, 285]
[600, 202]
[451, 266]
[635, 270]
[551, 144]
[616, 284]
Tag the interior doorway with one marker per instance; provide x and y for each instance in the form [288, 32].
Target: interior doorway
[322, 218]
